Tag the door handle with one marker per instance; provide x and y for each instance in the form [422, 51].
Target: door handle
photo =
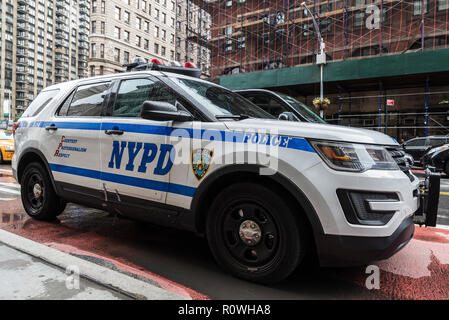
[51, 127]
[114, 131]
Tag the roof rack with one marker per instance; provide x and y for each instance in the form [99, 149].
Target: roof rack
[139, 64]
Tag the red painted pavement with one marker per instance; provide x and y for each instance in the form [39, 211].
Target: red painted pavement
[87, 244]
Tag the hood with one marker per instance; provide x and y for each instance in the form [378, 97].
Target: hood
[313, 130]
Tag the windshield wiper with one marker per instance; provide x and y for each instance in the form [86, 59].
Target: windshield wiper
[233, 116]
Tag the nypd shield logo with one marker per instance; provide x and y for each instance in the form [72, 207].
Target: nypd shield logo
[201, 159]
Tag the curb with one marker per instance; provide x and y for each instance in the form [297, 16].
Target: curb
[113, 279]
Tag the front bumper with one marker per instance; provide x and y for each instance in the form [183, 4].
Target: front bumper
[336, 250]
[344, 250]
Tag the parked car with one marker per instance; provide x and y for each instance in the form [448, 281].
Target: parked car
[417, 147]
[277, 104]
[437, 157]
[165, 147]
[6, 145]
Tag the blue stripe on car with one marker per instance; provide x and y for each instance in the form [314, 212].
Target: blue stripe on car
[127, 180]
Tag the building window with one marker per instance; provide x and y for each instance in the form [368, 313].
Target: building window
[117, 32]
[102, 50]
[118, 13]
[103, 6]
[116, 55]
[102, 27]
[126, 56]
[92, 71]
[146, 44]
[417, 4]
[126, 36]
[94, 6]
[94, 27]
[156, 31]
[163, 51]
[138, 23]
[94, 50]
[156, 48]
[126, 17]
[138, 41]
[146, 26]
[443, 5]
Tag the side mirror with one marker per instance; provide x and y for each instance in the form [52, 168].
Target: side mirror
[287, 116]
[164, 111]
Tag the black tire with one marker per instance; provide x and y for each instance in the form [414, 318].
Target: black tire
[1, 157]
[36, 181]
[282, 245]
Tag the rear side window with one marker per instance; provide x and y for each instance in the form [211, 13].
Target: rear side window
[437, 142]
[87, 101]
[40, 102]
[416, 143]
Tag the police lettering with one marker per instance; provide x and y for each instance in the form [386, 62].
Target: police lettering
[148, 153]
[266, 139]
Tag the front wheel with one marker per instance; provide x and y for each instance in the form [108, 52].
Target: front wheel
[254, 234]
[38, 196]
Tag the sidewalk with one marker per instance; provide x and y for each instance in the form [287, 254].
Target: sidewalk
[31, 270]
[23, 277]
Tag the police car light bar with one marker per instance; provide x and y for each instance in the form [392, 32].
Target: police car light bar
[139, 64]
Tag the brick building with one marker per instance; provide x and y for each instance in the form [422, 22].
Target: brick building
[376, 51]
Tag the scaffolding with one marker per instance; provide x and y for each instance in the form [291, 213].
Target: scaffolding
[253, 35]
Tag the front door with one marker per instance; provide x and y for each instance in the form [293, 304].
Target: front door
[136, 160]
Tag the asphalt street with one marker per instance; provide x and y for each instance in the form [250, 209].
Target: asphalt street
[182, 262]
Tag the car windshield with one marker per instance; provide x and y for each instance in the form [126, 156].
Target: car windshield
[302, 109]
[6, 135]
[220, 101]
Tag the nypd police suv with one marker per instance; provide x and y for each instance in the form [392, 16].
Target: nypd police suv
[163, 146]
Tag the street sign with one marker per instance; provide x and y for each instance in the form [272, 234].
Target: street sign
[390, 102]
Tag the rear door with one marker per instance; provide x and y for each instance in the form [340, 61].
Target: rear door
[70, 140]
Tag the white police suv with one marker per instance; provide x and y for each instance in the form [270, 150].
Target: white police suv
[163, 146]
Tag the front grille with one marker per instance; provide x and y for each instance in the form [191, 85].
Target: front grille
[403, 160]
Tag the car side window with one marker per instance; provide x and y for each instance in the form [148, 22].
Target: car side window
[87, 100]
[65, 106]
[437, 142]
[415, 143]
[267, 103]
[134, 92]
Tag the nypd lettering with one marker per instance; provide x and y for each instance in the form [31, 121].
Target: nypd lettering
[140, 155]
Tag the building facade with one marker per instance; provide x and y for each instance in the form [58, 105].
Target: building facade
[377, 51]
[42, 43]
[167, 30]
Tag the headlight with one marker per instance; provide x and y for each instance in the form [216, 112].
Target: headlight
[354, 157]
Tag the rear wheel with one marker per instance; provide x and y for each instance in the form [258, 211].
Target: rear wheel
[38, 196]
[254, 234]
